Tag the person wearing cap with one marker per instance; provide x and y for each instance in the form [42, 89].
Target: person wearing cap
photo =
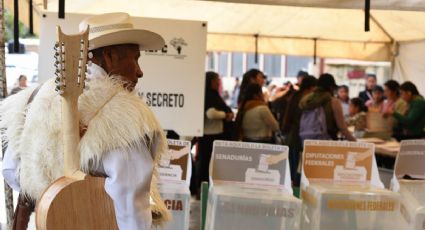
[120, 137]
[323, 96]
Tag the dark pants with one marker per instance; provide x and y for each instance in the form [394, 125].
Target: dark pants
[204, 157]
[22, 213]
[294, 159]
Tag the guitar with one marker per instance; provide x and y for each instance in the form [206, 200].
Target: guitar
[76, 200]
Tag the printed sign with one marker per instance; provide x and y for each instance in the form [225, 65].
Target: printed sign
[411, 159]
[175, 165]
[340, 161]
[173, 77]
[249, 163]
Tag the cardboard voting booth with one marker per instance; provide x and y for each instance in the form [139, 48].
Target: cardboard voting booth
[174, 173]
[410, 163]
[250, 188]
[341, 189]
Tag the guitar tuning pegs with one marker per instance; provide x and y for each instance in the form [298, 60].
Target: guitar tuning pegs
[90, 55]
[57, 80]
[89, 63]
[58, 88]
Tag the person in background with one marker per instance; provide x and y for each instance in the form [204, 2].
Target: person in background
[300, 76]
[393, 101]
[342, 95]
[252, 76]
[235, 93]
[226, 97]
[22, 84]
[280, 99]
[366, 95]
[413, 122]
[376, 104]
[357, 116]
[216, 112]
[291, 125]
[323, 96]
[255, 121]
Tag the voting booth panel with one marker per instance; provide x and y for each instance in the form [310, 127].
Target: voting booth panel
[173, 77]
[341, 188]
[174, 178]
[410, 164]
[251, 188]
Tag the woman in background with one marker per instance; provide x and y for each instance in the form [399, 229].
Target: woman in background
[393, 101]
[22, 84]
[216, 112]
[342, 95]
[376, 104]
[252, 76]
[254, 121]
[413, 122]
[291, 125]
[357, 117]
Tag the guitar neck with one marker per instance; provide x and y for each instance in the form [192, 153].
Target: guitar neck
[72, 58]
[71, 135]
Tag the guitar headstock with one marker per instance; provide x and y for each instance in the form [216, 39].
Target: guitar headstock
[71, 63]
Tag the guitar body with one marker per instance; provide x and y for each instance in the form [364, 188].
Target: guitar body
[71, 204]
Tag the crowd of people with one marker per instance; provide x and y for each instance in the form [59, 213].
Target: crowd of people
[313, 108]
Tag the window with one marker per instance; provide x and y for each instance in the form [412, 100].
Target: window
[251, 61]
[222, 64]
[210, 61]
[272, 65]
[237, 64]
[295, 64]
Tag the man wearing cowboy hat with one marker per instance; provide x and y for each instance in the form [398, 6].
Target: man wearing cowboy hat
[121, 138]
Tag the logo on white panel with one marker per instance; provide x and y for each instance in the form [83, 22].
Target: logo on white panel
[178, 44]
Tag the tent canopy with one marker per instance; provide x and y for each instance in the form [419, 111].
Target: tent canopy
[327, 28]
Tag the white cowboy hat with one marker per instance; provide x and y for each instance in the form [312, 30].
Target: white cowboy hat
[117, 28]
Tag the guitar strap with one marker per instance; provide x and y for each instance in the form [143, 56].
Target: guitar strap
[26, 205]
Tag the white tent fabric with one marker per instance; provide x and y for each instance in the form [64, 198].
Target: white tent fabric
[410, 64]
[283, 29]
[344, 4]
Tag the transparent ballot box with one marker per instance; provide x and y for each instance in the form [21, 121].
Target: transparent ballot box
[251, 209]
[328, 206]
[177, 201]
[410, 163]
[174, 177]
[250, 188]
[341, 188]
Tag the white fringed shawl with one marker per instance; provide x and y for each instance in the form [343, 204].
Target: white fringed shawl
[115, 118]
